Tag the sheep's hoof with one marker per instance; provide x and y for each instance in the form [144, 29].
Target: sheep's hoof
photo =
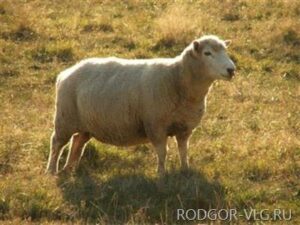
[185, 169]
[161, 181]
[50, 171]
[66, 171]
[161, 185]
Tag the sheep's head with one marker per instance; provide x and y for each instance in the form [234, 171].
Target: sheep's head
[210, 53]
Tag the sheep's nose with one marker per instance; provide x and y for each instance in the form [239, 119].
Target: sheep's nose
[230, 71]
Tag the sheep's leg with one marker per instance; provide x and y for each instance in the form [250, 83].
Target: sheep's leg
[57, 144]
[161, 150]
[76, 151]
[158, 137]
[182, 144]
[160, 144]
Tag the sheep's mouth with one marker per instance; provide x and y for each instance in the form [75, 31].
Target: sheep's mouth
[228, 77]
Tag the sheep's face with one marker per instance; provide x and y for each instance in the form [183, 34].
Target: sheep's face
[211, 52]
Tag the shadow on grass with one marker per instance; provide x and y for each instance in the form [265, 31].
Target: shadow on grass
[135, 197]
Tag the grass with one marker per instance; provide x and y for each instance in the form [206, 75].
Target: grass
[244, 155]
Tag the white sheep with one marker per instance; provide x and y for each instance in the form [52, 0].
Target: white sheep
[128, 102]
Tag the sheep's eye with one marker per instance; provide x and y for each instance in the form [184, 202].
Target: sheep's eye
[207, 53]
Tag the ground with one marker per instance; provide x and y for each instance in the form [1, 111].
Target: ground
[245, 154]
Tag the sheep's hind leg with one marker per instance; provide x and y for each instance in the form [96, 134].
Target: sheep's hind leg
[78, 143]
[57, 144]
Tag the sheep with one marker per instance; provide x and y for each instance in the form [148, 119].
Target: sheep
[129, 102]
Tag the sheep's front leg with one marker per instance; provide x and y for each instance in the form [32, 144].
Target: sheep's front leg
[182, 144]
[161, 150]
[158, 137]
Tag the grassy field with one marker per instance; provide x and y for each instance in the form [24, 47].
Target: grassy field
[245, 154]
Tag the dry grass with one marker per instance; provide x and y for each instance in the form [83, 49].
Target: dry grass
[174, 22]
[245, 153]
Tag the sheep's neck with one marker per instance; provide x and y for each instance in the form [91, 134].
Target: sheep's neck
[196, 91]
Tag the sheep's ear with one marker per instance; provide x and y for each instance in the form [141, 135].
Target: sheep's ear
[196, 46]
[227, 43]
